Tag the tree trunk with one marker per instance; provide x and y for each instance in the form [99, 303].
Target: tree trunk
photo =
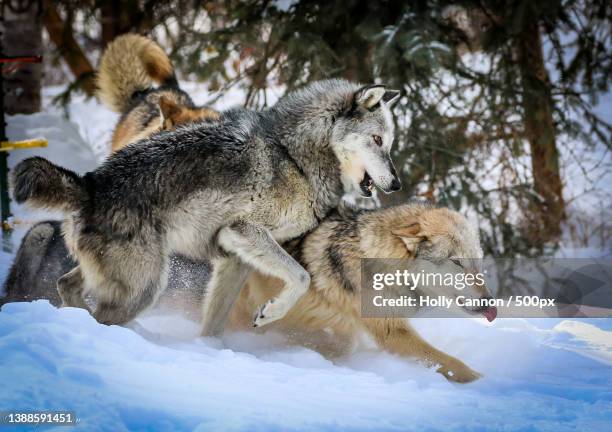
[119, 17]
[70, 50]
[110, 11]
[540, 132]
[22, 36]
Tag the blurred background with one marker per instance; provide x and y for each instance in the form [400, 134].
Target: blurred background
[506, 109]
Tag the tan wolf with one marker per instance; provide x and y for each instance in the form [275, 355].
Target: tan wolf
[128, 69]
[332, 255]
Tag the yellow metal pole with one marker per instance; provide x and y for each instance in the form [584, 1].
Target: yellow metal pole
[6, 146]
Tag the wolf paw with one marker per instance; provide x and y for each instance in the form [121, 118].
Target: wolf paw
[459, 373]
[269, 312]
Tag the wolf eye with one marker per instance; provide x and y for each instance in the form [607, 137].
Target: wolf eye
[377, 140]
[456, 262]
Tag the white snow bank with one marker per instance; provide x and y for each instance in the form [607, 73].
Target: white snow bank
[586, 339]
[114, 379]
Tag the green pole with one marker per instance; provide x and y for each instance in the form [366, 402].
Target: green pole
[5, 213]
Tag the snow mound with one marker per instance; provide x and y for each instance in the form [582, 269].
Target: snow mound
[115, 379]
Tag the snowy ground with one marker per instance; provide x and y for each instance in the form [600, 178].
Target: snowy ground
[549, 375]
[114, 379]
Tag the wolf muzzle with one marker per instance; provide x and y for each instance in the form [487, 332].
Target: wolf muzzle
[396, 183]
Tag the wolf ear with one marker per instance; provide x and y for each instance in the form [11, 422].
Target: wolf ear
[369, 96]
[168, 110]
[412, 235]
[391, 97]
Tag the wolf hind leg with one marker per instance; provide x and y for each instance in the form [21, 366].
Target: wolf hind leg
[256, 246]
[228, 277]
[70, 288]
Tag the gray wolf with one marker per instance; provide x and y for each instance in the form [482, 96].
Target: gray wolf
[41, 260]
[332, 255]
[229, 192]
[129, 67]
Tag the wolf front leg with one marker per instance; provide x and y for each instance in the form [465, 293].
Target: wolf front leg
[398, 337]
[256, 246]
[228, 277]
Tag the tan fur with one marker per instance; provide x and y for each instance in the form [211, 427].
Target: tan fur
[133, 63]
[130, 127]
[129, 130]
[174, 114]
[328, 307]
[130, 63]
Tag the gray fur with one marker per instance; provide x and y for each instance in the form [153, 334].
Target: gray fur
[237, 187]
[40, 261]
[43, 258]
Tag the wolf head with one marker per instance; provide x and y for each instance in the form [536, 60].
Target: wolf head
[444, 242]
[440, 241]
[361, 139]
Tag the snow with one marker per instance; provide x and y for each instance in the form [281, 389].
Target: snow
[539, 374]
[115, 379]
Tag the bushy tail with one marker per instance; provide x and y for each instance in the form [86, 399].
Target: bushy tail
[43, 184]
[131, 63]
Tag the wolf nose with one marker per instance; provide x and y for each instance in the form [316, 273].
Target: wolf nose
[396, 185]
